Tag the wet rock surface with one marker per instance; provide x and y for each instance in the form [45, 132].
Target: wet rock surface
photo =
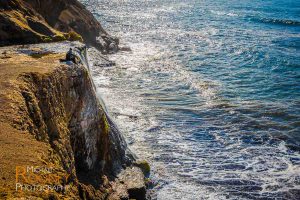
[133, 178]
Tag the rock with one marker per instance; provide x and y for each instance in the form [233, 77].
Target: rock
[35, 21]
[124, 48]
[119, 192]
[87, 192]
[144, 166]
[107, 44]
[20, 24]
[113, 48]
[56, 105]
[133, 178]
[68, 15]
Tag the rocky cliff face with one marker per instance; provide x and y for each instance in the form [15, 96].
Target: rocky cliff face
[62, 104]
[50, 116]
[34, 21]
[68, 15]
[55, 103]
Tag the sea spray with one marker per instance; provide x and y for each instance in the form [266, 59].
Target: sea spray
[114, 132]
[216, 94]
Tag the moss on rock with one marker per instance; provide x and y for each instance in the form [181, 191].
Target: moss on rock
[73, 36]
[144, 165]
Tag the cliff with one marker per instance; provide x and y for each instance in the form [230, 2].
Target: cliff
[36, 21]
[50, 117]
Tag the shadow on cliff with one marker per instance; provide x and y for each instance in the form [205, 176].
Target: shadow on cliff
[36, 21]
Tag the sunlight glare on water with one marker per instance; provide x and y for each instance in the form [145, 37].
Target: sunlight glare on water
[209, 94]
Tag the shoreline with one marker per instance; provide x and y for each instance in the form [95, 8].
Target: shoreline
[54, 106]
[199, 94]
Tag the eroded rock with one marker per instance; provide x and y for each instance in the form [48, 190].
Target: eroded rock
[133, 178]
[55, 104]
[144, 166]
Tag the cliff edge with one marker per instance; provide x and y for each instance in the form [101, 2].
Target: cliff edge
[51, 119]
[56, 140]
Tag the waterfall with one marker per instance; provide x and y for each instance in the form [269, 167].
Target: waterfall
[128, 157]
[83, 55]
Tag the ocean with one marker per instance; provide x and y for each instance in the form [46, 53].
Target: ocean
[209, 94]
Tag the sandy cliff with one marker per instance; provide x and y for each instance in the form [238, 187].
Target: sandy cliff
[50, 116]
[54, 133]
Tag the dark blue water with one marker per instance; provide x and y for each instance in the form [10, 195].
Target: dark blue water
[210, 94]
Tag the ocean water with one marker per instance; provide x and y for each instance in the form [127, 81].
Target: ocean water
[209, 94]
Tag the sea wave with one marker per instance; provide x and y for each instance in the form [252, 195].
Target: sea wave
[230, 14]
[282, 22]
[209, 99]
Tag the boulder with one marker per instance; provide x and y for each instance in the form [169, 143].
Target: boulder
[144, 166]
[133, 178]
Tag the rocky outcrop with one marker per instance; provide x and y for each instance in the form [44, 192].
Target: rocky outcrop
[56, 104]
[133, 178]
[35, 21]
[64, 104]
[68, 15]
[50, 116]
